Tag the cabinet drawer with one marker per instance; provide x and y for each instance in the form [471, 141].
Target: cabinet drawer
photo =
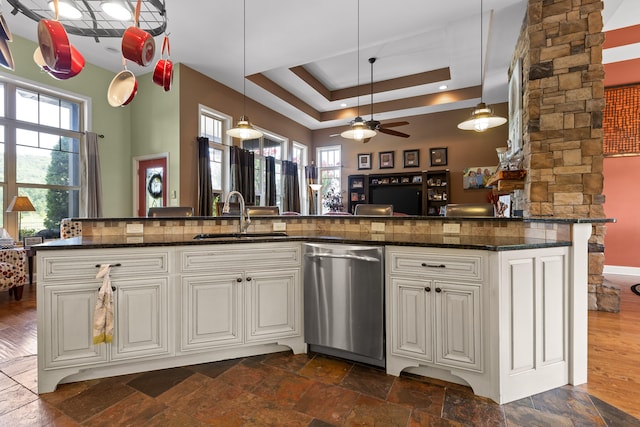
[244, 255]
[82, 264]
[436, 265]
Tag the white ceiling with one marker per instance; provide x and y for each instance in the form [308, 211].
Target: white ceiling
[407, 37]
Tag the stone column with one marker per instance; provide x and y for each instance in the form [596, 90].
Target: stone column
[563, 99]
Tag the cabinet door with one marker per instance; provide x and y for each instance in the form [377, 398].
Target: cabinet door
[142, 318]
[457, 324]
[273, 304]
[411, 314]
[211, 310]
[68, 326]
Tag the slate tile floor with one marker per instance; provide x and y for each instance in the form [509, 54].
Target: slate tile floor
[280, 389]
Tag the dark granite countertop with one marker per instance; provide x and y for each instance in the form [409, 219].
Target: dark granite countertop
[334, 217]
[430, 240]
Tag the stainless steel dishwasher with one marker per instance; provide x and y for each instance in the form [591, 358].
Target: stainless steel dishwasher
[344, 301]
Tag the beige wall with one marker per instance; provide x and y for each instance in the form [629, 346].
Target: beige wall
[196, 88]
[464, 148]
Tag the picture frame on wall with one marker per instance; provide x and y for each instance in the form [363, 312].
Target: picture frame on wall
[438, 156]
[386, 159]
[364, 161]
[411, 158]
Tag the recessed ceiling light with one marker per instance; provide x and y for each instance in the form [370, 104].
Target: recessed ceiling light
[443, 87]
[343, 105]
[66, 10]
[116, 10]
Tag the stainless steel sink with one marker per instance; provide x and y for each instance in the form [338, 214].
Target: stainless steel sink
[206, 236]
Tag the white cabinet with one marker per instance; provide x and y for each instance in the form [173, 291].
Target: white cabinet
[495, 320]
[241, 294]
[211, 310]
[434, 320]
[67, 294]
[65, 326]
[141, 318]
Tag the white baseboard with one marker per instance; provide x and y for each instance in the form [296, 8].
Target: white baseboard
[621, 269]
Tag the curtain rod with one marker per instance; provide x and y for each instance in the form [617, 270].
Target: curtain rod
[99, 135]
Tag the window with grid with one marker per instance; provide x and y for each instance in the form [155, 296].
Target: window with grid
[269, 145]
[40, 150]
[213, 126]
[329, 174]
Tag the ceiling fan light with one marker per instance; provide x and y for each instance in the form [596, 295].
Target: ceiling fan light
[359, 131]
[482, 118]
[66, 10]
[117, 10]
[244, 130]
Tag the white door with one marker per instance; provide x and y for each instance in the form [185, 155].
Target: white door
[458, 331]
[273, 304]
[211, 310]
[411, 311]
[142, 318]
[68, 326]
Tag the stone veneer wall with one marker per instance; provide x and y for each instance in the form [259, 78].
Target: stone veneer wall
[560, 46]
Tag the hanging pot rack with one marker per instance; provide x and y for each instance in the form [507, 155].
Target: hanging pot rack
[94, 22]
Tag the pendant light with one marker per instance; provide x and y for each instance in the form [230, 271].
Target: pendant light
[482, 117]
[244, 129]
[359, 130]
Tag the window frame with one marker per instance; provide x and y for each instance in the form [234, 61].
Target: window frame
[10, 186]
[337, 169]
[226, 142]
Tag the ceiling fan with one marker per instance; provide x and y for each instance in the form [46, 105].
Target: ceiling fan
[383, 127]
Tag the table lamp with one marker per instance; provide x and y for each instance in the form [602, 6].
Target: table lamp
[20, 204]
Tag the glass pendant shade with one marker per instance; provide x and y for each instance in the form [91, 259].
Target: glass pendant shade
[482, 119]
[244, 130]
[359, 131]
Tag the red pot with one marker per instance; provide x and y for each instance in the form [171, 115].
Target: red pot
[54, 45]
[163, 73]
[138, 46]
[77, 64]
[122, 89]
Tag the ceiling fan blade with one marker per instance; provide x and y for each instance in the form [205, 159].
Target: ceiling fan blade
[335, 134]
[394, 124]
[393, 132]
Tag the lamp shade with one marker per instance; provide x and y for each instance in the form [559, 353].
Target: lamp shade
[20, 204]
[481, 119]
[359, 131]
[244, 130]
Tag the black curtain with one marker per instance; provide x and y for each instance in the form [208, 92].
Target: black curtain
[291, 187]
[243, 173]
[205, 192]
[270, 181]
[311, 173]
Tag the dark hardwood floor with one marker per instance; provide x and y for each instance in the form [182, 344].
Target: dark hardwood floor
[313, 390]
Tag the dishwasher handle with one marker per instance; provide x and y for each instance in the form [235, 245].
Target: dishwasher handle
[343, 256]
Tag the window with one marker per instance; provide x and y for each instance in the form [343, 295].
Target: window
[329, 171]
[40, 148]
[213, 126]
[269, 145]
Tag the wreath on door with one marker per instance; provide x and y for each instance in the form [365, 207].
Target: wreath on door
[154, 187]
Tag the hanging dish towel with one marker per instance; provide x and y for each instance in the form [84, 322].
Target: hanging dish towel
[103, 313]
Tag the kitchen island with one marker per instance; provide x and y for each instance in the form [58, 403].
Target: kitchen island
[504, 314]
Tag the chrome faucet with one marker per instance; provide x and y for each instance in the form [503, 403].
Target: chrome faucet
[245, 219]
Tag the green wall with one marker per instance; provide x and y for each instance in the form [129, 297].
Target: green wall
[149, 125]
